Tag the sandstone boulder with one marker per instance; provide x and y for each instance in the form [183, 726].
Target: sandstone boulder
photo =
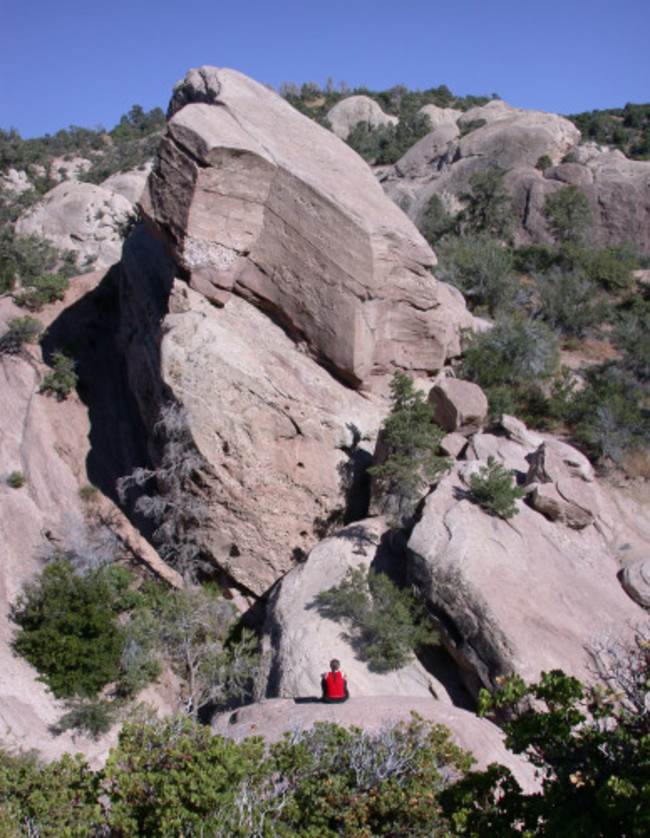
[521, 595]
[129, 185]
[253, 197]
[635, 580]
[353, 109]
[459, 406]
[80, 217]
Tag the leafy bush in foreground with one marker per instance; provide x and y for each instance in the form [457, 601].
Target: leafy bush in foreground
[63, 378]
[494, 489]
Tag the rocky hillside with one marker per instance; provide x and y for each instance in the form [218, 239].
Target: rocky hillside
[239, 349]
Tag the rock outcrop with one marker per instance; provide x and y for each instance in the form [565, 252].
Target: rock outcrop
[256, 199]
[514, 140]
[526, 594]
[353, 109]
[83, 218]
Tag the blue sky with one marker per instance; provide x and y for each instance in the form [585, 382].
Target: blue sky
[86, 63]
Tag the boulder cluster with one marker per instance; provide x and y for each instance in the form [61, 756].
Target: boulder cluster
[272, 290]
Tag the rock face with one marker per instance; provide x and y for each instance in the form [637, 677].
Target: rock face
[526, 594]
[80, 217]
[353, 109]
[301, 642]
[635, 579]
[512, 139]
[279, 436]
[254, 198]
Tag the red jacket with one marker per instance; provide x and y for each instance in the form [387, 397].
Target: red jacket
[335, 685]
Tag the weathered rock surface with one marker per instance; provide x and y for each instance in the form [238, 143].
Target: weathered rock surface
[274, 717]
[80, 217]
[301, 642]
[459, 406]
[48, 442]
[129, 184]
[353, 109]
[279, 435]
[254, 198]
[526, 594]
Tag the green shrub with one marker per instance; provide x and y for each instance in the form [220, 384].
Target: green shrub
[569, 304]
[488, 205]
[62, 380]
[411, 444]
[68, 628]
[543, 162]
[45, 289]
[91, 716]
[21, 330]
[494, 489]
[516, 350]
[569, 214]
[481, 267]
[88, 492]
[534, 258]
[612, 268]
[385, 624]
[16, 480]
[436, 223]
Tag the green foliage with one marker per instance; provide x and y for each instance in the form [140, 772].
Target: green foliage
[488, 205]
[411, 445]
[569, 214]
[592, 748]
[68, 628]
[543, 162]
[21, 330]
[611, 267]
[534, 258]
[436, 223]
[632, 338]
[385, 624]
[569, 303]
[516, 350]
[94, 717]
[481, 267]
[16, 480]
[494, 489]
[45, 289]
[195, 635]
[63, 378]
[625, 128]
[385, 144]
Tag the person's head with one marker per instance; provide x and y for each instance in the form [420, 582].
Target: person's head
[335, 665]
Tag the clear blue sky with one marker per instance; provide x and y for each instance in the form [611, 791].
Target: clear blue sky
[66, 62]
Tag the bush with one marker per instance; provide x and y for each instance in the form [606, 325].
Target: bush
[68, 628]
[62, 380]
[386, 624]
[44, 290]
[488, 205]
[569, 214]
[21, 330]
[569, 304]
[494, 489]
[534, 258]
[543, 162]
[16, 480]
[92, 716]
[411, 443]
[481, 267]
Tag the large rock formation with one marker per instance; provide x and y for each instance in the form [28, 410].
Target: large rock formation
[512, 139]
[253, 197]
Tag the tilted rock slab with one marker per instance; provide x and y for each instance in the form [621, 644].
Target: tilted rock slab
[256, 199]
[526, 594]
[277, 433]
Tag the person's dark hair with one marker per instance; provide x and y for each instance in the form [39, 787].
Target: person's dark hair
[335, 665]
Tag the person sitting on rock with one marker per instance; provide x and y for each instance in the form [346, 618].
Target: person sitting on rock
[335, 687]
